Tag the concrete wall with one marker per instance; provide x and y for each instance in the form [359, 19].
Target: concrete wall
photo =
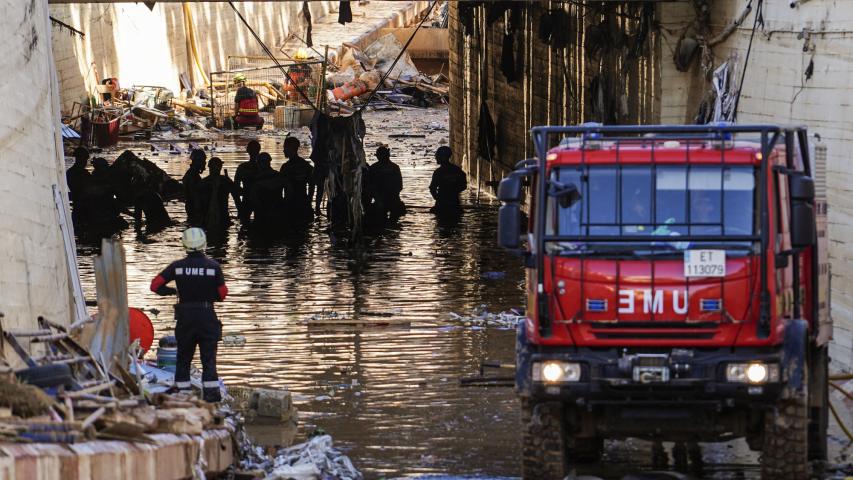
[776, 90]
[149, 47]
[552, 86]
[34, 279]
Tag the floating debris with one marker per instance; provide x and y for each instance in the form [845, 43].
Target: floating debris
[315, 458]
[233, 340]
[480, 317]
[493, 275]
[363, 319]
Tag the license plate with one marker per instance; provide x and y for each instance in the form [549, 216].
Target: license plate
[705, 263]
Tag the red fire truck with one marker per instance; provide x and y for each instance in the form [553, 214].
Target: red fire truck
[677, 291]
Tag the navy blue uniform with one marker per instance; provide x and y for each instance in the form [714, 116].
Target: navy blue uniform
[448, 181]
[199, 282]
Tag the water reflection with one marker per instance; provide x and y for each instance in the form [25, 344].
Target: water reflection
[389, 394]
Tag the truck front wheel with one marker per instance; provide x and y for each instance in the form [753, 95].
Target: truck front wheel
[785, 446]
[544, 441]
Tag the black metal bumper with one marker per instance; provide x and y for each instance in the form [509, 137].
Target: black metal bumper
[697, 378]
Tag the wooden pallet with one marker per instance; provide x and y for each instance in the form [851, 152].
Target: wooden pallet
[88, 374]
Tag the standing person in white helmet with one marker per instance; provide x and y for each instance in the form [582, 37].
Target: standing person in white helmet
[199, 282]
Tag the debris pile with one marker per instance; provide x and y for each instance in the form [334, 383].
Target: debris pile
[314, 459]
[137, 113]
[65, 395]
[358, 73]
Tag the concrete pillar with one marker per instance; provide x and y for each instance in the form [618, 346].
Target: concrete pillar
[34, 278]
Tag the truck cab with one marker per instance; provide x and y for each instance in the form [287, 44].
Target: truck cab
[677, 290]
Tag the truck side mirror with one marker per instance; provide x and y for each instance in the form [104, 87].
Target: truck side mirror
[802, 194]
[509, 190]
[802, 225]
[509, 225]
[801, 187]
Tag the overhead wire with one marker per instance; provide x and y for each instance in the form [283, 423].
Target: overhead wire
[272, 57]
[758, 15]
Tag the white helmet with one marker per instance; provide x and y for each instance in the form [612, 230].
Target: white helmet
[195, 240]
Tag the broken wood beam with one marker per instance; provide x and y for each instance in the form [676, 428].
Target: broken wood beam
[92, 389]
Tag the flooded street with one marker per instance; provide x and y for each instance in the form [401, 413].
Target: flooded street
[388, 394]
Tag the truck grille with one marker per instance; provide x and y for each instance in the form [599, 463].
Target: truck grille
[653, 330]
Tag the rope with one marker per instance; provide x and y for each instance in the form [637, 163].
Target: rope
[275, 60]
[388, 72]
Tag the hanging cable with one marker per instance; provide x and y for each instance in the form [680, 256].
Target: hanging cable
[190, 28]
[275, 60]
[758, 18]
[402, 51]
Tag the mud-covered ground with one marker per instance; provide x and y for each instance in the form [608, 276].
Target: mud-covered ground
[389, 395]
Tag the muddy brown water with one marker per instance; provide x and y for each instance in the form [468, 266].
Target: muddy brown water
[389, 395]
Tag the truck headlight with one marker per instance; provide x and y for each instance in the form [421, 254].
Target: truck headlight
[753, 372]
[554, 371]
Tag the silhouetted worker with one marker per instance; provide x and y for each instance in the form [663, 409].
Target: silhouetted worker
[448, 181]
[244, 178]
[95, 206]
[267, 194]
[101, 170]
[149, 203]
[246, 105]
[297, 177]
[213, 194]
[78, 177]
[386, 183]
[191, 181]
[199, 282]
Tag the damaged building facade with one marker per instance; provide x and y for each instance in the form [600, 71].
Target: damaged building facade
[635, 63]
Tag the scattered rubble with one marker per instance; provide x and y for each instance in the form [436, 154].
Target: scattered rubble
[73, 398]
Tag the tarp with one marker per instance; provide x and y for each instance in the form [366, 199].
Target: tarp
[384, 51]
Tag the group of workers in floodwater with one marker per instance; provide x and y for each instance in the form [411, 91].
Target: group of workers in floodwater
[101, 196]
[268, 199]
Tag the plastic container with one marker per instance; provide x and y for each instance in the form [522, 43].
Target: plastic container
[278, 117]
[291, 117]
[141, 328]
[105, 134]
[167, 354]
[350, 90]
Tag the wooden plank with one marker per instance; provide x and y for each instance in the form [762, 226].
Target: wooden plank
[87, 390]
[111, 337]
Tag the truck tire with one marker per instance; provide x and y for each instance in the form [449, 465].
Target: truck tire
[785, 446]
[584, 450]
[543, 442]
[47, 376]
[818, 403]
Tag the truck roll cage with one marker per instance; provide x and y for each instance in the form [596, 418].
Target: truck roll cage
[769, 136]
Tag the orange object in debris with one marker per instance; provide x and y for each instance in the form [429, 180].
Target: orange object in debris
[350, 89]
[141, 328]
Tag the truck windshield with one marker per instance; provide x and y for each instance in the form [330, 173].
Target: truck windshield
[655, 200]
